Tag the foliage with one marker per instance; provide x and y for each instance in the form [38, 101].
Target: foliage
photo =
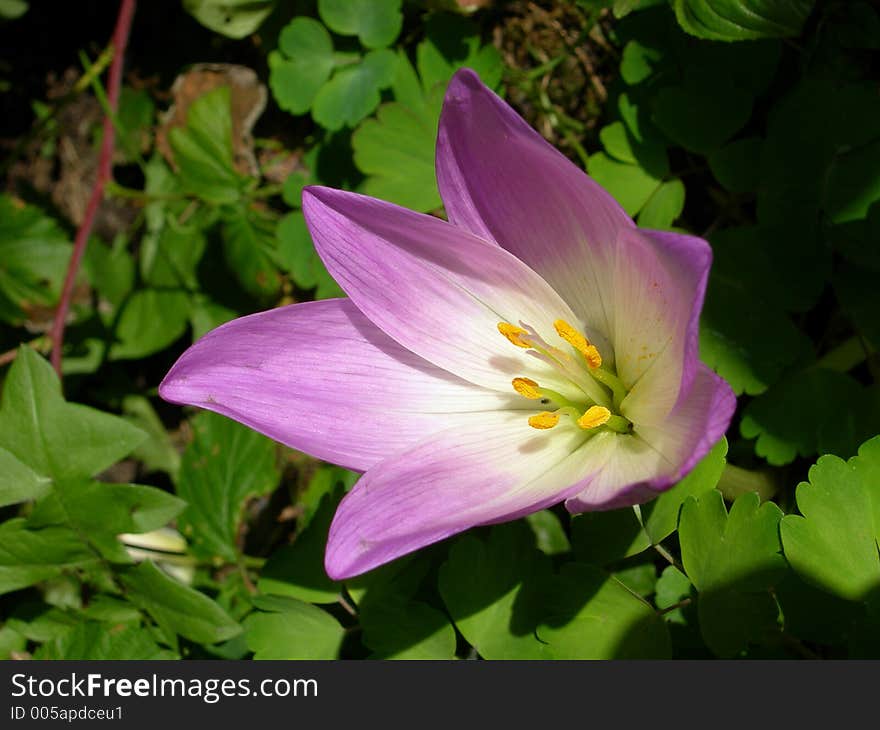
[133, 529]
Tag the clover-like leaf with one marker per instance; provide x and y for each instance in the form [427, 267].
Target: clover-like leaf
[353, 92]
[301, 65]
[488, 588]
[400, 629]
[376, 23]
[833, 542]
[732, 559]
[592, 615]
[290, 629]
[232, 18]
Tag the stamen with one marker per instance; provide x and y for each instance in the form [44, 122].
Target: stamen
[594, 417]
[579, 342]
[514, 334]
[544, 420]
[571, 335]
[527, 388]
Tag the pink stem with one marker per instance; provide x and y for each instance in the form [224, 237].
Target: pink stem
[105, 166]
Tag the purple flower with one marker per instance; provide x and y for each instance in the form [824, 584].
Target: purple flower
[539, 347]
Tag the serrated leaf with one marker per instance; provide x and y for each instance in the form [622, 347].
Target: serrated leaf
[99, 507]
[203, 150]
[34, 252]
[249, 249]
[594, 616]
[96, 641]
[353, 92]
[54, 438]
[225, 464]
[32, 556]
[297, 256]
[833, 545]
[293, 630]
[376, 23]
[738, 20]
[453, 42]
[18, 482]
[488, 588]
[176, 607]
[232, 18]
[301, 65]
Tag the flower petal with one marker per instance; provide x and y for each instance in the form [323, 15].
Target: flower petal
[491, 472]
[439, 291]
[501, 180]
[636, 468]
[659, 286]
[322, 379]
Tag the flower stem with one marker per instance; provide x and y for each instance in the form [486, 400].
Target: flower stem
[736, 481]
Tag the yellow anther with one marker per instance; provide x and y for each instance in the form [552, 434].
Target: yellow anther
[544, 420]
[527, 388]
[571, 335]
[579, 342]
[592, 356]
[514, 334]
[594, 417]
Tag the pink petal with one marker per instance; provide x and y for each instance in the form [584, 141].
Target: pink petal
[659, 285]
[501, 180]
[492, 471]
[322, 379]
[638, 467]
[439, 291]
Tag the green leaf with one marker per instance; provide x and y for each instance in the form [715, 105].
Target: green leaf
[638, 61]
[377, 23]
[111, 271]
[203, 150]
[34, 252]
[700, 117]
[293, 630]
[32, 556]
[296, 255]
[594, 616]
[397, 629]
[664, 206]
[789, 420]
[99, 507]
[732, 560]
[491, 590]
[672, 587]
[630, 185]
[232, 18]
[223, 467]
[54, 438]
[157, 453]
[301, 65]
[297, 570]
[175, 607]
[396, 152]
[353, 92]
[12, 9]
[150, 320]
[834, 544]
[856, 288]
[737, 164]
[18, 482]
[96, 641]
[738, 20]
[550, 537]
[249, 248]
[453, 42]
